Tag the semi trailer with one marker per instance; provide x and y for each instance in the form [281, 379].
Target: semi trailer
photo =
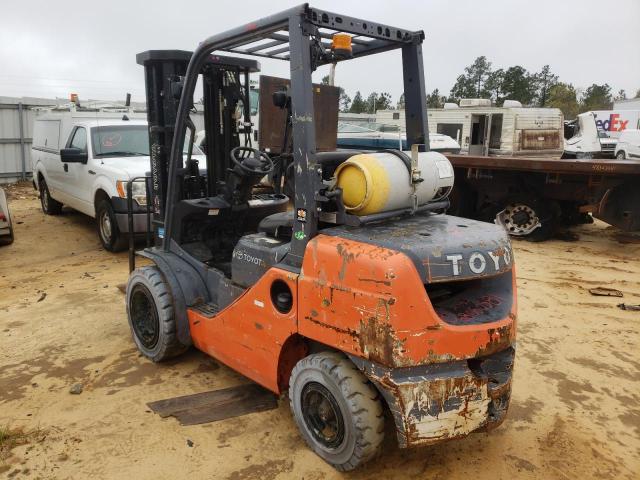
[534, 197]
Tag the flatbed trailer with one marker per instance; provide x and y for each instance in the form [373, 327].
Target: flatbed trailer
[533, 197]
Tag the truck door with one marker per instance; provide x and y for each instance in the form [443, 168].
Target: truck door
[479, 129]
[79, 176]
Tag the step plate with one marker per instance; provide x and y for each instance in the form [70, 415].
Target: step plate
[208, 310]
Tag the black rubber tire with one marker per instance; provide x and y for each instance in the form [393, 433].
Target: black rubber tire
[549, 213]
[357, 399]
[49, 205]
[7, 239]
[148, 284]
[621, 155]
[462, 201]
[112, 239]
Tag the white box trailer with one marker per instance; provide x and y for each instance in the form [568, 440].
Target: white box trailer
[481, 129]
[616, 121]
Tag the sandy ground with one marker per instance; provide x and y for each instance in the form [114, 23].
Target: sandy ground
[575, 412]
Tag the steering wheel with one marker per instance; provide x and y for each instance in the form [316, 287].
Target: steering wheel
[258, 164]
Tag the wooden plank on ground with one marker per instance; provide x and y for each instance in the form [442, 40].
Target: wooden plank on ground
[216, 405]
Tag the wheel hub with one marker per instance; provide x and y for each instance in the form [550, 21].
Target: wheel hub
[322, 415]
[518, 219]
[144, 316]
[105, 227]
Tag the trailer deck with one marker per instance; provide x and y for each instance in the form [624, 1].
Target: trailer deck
[533, 197]
[548, 165]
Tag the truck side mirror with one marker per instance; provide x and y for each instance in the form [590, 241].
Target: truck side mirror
[73, 155]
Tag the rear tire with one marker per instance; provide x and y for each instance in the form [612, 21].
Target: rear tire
[108, 232]
[337, 410]
[621, 155]
[49, 205]
[151, 316]
[462, 201]
[7, 239]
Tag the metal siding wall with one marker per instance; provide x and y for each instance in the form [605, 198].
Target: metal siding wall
[10, 153]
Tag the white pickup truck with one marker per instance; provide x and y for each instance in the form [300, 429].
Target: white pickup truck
[83, 160]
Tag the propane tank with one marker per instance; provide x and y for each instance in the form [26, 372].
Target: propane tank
[381, 181]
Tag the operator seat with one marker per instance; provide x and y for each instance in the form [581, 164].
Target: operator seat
[277, 225]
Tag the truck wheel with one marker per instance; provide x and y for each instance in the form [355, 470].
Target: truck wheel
[529, 218]
[621, 155]
[337, 410]
[8, 239]
[49, 205]
[150, 314]
[110, 236]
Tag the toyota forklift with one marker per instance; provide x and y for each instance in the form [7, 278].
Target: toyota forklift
[358, 295]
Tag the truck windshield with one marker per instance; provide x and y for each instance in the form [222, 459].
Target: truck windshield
[125, 140]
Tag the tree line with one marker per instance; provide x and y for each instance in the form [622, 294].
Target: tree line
[481, 80]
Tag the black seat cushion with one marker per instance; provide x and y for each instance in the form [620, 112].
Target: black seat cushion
[278, 225]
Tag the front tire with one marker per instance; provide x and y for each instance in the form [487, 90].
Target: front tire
[621, 155]
[50, 206]
[151, 316]
[337, 410]
[110, 236]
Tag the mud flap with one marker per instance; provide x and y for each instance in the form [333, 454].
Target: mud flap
[620, 207]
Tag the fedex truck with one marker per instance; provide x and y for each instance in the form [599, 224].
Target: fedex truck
[614, 122]
[595, 134]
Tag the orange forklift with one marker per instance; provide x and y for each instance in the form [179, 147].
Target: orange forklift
[358, 295]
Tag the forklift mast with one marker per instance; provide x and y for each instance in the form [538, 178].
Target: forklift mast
[225, 86]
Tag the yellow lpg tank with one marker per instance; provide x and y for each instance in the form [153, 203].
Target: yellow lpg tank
[380, 181]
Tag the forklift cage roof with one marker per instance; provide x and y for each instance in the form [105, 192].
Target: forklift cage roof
[270, 36]
[291, 35]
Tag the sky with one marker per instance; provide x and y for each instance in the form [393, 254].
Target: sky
[53, 48]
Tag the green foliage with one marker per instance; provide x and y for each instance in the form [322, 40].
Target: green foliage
[564, 97]
[494, 86]
[472, 83]
[545, 80]
[596, 97]
[345, 101]
[375, 102]
[480, 80]
[383, 102]
[519, 84]
[435, 100]
[371, 102]
[621, 95]
[358, 105]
